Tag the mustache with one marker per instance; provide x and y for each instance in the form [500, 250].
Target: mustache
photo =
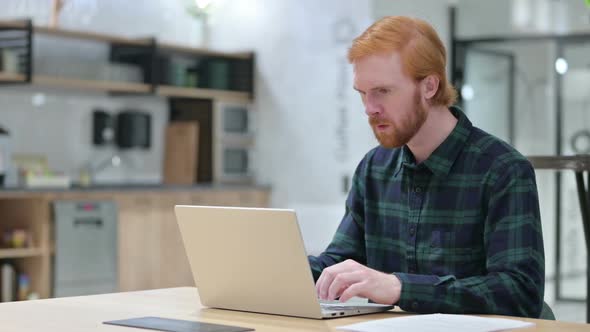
[375, 121]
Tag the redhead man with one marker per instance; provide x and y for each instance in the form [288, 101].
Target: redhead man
[441, 216]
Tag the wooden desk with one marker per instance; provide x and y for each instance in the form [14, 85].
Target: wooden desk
[86, 313]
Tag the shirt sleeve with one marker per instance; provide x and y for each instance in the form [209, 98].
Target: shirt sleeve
[515, 263]
[348, 241]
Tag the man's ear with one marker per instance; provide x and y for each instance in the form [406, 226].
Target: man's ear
[430, 86]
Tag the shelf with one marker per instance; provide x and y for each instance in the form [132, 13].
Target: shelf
[100, 37]
[20, 253]
[107, 86]
[12, 77]
[142, 54]
[127, 87]
[91, 36]
[13, 24]
[174, 91]
[202, 51]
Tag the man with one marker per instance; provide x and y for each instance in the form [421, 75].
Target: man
[442, 216]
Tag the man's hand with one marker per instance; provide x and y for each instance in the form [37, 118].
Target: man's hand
[349, 278]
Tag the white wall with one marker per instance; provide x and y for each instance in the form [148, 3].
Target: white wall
[60, 128]
[434, 12]
[313, 130]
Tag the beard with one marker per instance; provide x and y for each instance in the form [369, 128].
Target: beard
[399, 134]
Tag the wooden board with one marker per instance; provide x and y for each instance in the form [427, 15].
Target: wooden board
[81, 84]
[201, 111]
[181, 153]
[87, 313]
[179, 91]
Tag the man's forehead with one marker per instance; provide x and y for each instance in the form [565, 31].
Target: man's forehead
[373, 84]
[367, 80]
[375, 71]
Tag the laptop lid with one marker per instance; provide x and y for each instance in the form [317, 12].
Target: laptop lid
[248, 259]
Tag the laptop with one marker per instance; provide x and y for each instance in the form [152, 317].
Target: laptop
[253, 259]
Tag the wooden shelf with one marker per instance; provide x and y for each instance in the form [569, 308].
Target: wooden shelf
[13, 24]
[174, 91]
[203, 51]
[20, 253]
[107, 86]
[128, 87]
[100, 37]
[87, 35]
[10, 77]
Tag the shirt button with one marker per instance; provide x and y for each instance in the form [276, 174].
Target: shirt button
[418, 190]
[415, 305]
[412, 231]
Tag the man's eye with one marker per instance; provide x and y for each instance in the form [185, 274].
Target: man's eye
[383, 91]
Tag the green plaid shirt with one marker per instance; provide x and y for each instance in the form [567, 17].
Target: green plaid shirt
[461, 230]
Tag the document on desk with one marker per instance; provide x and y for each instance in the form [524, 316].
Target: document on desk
[438, 323]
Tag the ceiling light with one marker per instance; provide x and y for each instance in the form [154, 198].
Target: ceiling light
[467, 92]
[561, 66]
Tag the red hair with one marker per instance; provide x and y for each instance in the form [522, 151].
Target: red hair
[421, 50]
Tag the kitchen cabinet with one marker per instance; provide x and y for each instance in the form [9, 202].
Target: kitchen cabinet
[150, 250]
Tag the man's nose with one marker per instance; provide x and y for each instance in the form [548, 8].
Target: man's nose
[372, 108]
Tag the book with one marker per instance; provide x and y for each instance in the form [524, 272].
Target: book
[8, 282]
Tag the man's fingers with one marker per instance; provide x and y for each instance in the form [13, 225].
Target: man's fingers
[342, 281]
[324, 283]
[358, 289]
[327, 277]
[318, 283]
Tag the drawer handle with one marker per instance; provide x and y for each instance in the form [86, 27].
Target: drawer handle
[88, 222]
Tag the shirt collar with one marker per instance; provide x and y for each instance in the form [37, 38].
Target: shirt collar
[445, 155]
[405, 158]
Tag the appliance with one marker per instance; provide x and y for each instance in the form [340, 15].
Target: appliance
[103, 127]
[233, 143]
[133, 129]
[5, 155]
[85, 259]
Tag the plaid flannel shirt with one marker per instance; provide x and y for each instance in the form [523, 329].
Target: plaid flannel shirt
[461, 230]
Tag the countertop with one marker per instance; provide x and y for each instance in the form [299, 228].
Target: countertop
[102, 189]
[140, 187]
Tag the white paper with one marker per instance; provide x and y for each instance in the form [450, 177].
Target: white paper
[437, 323]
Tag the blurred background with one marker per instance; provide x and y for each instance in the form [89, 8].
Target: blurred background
[114, 111]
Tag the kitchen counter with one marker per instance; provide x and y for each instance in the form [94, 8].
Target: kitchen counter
[150, 249]
[128, 188]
